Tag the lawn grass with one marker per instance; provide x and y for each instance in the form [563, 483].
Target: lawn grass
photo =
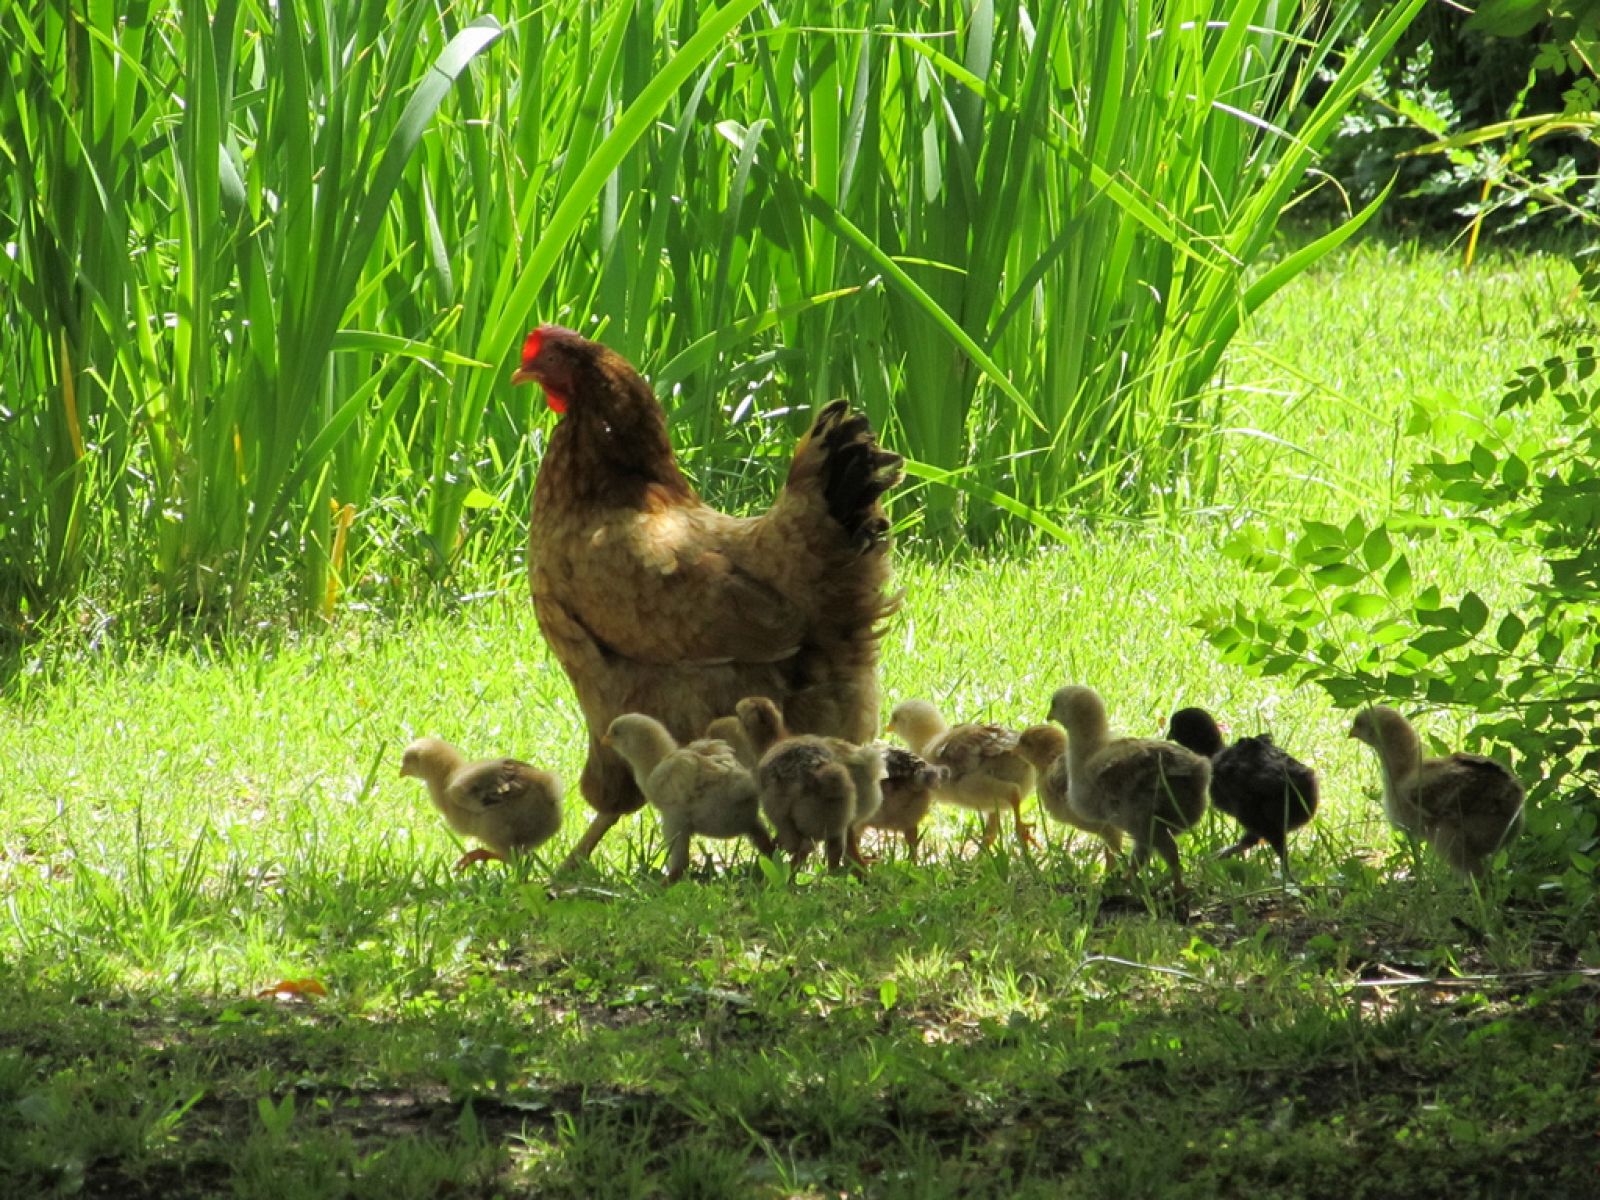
[185, 824]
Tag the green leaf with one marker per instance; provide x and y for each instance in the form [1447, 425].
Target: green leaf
[1439, 641]
[1510, 632]
[1483, 461]
[1338, 575]
[478, 498]
[1474, 612]
[1507, 18]
[888, 993]
[1377, 549]
[1397, 583]
[1361, 605]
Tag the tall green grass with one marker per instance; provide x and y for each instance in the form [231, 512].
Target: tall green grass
[262, 271]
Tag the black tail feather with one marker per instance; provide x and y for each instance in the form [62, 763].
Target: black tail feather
[857, 473]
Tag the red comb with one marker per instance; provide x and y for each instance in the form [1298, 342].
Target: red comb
[530, 348]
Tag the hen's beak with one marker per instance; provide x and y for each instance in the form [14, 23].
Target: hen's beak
[523, 376]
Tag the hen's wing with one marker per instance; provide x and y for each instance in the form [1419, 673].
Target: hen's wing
[666, 587]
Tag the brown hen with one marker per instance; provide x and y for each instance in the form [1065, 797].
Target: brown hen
[655, 603]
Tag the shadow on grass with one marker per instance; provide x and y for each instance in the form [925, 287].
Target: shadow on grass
[994, 1029]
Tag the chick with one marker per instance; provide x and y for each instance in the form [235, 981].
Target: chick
[728, 729]
[813, 789]
[1465, 805]
[907, 791]
[986, 771]
[1045, 747]
[700, 788]
[1147, 788]
[1253, 781]
[507, 805]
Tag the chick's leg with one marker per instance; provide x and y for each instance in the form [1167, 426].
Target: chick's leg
[1024, 830]
[1167, 846]
[1111, 847]
[481, 854]
[1239, 847]
[991, 828]
[762, 840]
[835, 853]
[677, 849]
[852, 849]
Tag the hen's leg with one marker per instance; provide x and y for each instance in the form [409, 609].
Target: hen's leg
[607, 784]
[591, 838]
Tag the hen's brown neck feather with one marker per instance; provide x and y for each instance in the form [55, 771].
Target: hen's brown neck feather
[611, 449]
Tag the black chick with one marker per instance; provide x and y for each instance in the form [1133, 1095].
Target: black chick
[1253, 781]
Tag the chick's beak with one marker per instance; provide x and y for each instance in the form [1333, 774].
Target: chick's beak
[522, 375]
[605, 740]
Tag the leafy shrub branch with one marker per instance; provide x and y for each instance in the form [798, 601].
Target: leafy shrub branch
[1349, 614]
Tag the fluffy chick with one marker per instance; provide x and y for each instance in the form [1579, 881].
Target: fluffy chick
[813, 789]
[907, 791]
[700, 788]
[1254, 781]
[1045, 746]
[1467, 806]
[730, 730]
[507, 805]
[986, 771]
[1149, 789]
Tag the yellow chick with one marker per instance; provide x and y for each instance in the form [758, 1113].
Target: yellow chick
[1467, 806]
[507, 805]
[730, 730]
[700, 788]
[1045, 746]
[986, 771]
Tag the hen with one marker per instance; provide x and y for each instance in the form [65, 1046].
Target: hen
[655, 603]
